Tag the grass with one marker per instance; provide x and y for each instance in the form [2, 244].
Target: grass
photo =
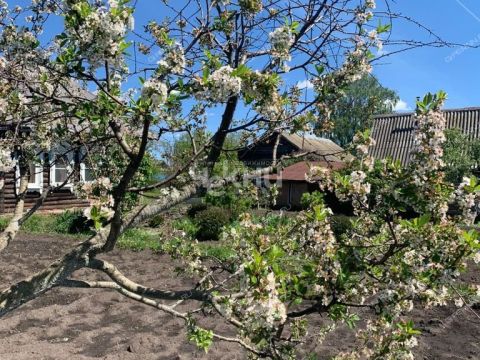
[39, 224]
[137, 239]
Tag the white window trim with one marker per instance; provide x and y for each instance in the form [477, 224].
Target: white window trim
[71, 163]
[37, 185]
[83, 168]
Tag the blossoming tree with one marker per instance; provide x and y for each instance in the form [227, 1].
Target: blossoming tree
[79, 89]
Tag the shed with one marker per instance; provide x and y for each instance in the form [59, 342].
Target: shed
[292, 182]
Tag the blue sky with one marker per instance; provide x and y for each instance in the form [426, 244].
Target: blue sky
[415, 72]
[454, 70]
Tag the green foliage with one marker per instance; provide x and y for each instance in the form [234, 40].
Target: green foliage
[72, 222]
[201, 337]
[195, 208]
[156, 221]
[233, 199]
[361, 101]
[40, 223]
[460, 154]
[431, 102]
[186, 225]
[220, 252]
[210, 223]
[3, 223]
[341, 225]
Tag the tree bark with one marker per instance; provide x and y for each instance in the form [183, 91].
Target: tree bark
[221, 134]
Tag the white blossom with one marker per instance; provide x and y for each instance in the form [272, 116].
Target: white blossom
[281, 40]
[156, 91]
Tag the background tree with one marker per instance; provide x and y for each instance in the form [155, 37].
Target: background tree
[361, 101]
[461, 155]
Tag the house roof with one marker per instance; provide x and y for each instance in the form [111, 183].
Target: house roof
[393, 133]
[298, 171]
[325, 148]
[321, 148]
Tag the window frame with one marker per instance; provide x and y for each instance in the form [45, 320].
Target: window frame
[53, 167]
[37, 186]
[83, 173]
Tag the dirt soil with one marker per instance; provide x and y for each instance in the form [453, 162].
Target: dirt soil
[102, 324]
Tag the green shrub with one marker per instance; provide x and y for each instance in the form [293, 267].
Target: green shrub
[3, 223]
[196, 208]
[274, 221]
[341, 224]
[72, 222]
[187, 225]
[156, 221]
[235, 200]
[210, 223]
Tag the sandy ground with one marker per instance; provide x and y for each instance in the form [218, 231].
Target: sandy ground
[86, 324]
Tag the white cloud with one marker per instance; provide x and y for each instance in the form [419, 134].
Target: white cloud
[401, 106]
[305, 84]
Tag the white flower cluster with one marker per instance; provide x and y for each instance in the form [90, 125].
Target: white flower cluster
[268, 101]
[7, 163]
[268, 311]
[428, 143]
[173, 60]
[156, 91]
[375, 39]
[271, 109]
[370, 4]
[281, 40]
[101, 34]
[467, 200]
[221, 85]
[363, 16]
[362, 144]
[251, 6]
[98, 193]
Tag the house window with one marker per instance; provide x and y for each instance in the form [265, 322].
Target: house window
[35, 177]
[86, 173]
[35, 180]
[61, 170]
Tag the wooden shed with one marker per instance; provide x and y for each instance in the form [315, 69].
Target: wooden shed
[292, 183]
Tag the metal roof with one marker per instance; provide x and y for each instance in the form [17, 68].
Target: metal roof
[393, 133]
[325, 148]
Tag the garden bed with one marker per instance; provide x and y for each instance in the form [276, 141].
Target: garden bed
[89, 324]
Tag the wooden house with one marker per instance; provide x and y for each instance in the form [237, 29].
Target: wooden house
[52, 168]
[291, 180]
[260, 154]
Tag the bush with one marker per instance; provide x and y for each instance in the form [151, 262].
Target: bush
[235, 200]
[72, 222]
[341, 224]
[187, 225]
[195, 209]
[210, 223]
[156, 221]
[3, 223]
